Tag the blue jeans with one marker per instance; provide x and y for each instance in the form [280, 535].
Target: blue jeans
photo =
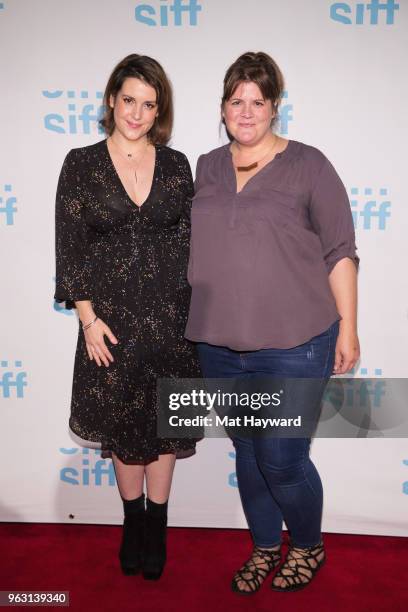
[276, 478]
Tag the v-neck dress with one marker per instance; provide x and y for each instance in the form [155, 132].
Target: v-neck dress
[131, 263]
[261, 258]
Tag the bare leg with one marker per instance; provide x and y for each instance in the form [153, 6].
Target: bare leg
[158, 478]
[129, 478]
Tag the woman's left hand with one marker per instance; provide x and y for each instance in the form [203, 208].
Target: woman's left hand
[347, 349]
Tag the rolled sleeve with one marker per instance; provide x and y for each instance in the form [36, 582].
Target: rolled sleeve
[331, 218]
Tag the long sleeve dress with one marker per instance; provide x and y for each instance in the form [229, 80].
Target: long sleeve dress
[131, 263]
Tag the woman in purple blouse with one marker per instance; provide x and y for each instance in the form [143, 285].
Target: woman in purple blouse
[273, 269]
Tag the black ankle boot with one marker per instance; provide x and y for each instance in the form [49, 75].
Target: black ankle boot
[154, 555]
[131, 549]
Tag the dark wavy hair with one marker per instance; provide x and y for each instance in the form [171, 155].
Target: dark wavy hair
[149, 71]
[259, 68]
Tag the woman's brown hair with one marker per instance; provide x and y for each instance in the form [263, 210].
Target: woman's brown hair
[259, 68]
[150, 72]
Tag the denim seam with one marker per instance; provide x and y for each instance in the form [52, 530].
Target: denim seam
[294, 484]
[278, 543]
[306, 479]
[302, 545]
[316, 498]
[325, 373]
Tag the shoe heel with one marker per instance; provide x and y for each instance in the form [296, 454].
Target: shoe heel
[129, 570]
[152, 575]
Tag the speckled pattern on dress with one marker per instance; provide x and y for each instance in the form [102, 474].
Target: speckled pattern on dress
[131, 263]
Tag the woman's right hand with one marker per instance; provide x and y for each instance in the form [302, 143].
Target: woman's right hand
[95, 342]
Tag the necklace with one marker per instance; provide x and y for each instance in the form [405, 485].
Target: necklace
[255, 164]
[129, 156]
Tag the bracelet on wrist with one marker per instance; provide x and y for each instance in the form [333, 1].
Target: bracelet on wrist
[88, 325]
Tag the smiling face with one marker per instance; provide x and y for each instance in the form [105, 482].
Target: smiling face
[247, 114]
[134, 109]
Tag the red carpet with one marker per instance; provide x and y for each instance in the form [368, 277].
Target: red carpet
[362, 573]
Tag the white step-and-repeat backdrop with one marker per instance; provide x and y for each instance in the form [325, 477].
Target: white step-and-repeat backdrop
[346, 92]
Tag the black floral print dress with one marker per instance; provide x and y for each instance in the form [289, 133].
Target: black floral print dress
[132, 264]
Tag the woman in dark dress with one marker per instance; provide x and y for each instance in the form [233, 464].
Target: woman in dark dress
[122, 240]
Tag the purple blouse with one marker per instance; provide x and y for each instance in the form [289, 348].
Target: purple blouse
[260, 259]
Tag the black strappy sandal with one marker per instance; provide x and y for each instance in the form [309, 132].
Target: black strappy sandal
[298, 571]
[255, 570]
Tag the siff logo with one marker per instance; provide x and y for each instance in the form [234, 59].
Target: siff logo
[232, 477]
[12, 379]
[90, 469]
[369, 209]
[367, 392]
[360, 372]
[168, 13]
[405, 484]
[60, 308]
[338, 12]
[285, 115]
[7, 207]
[79, 115]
